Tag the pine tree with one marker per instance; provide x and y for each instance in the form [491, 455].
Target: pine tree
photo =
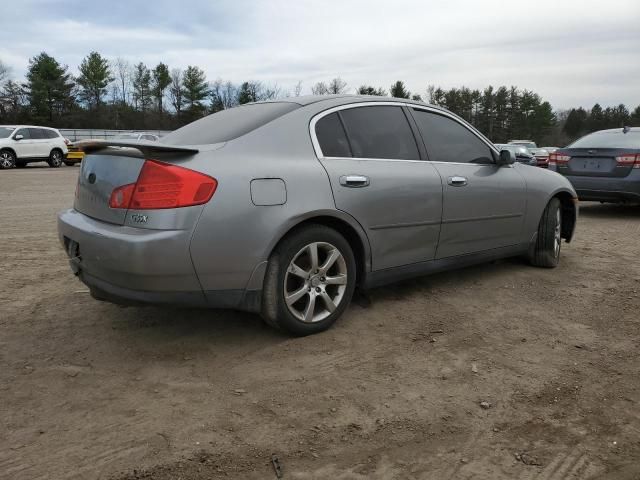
[141, 87]
[160, 80]
[95, 76]
[49, 88]
[196, 90]
[369, 90]
[398, 90]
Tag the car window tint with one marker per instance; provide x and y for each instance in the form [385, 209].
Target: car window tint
[228, 124]
[52, 134]
[24, 132]
[37, 133]
[380, 132]
[450, 141]
[331, 137]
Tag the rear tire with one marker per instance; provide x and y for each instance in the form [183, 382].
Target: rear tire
[7, 159]
[55, 158]
[309, 282]
[546, 252]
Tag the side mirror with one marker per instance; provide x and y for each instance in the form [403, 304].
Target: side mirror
[18, 137]
[507, 157]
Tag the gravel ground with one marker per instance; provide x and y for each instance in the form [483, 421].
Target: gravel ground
[395, 390]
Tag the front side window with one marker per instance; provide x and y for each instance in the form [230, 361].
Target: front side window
[450, 141]
[380, 131]
[24, 132]
[332, 137]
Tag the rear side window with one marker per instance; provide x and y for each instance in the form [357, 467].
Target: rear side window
[615, 139]
[450, 141]
[6, 131]
[380, 132]
[332, 137]
[37, 133]
[228, 124]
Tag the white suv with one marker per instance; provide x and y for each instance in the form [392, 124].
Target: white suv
[22, 144]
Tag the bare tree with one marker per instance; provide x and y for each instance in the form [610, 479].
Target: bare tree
[176, 90]
[337, 85]
[4, 71]
[297, 91]
[320, 88]
[122, 70]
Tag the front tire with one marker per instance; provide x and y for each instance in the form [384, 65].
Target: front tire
[310, 281]
[55, 158]
[7, 159]
[546, 252]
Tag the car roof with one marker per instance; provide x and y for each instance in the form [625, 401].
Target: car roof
[619, 129]
[345, 99]
[28, 126]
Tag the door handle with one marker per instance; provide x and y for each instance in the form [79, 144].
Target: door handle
[354, 181]
[457, 181]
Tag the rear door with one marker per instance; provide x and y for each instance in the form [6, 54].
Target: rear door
[374, 164]
[40, 142]
[484, 204]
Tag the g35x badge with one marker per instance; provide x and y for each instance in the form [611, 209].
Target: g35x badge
[138, 218]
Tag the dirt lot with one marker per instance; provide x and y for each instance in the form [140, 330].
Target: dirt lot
[92, 390]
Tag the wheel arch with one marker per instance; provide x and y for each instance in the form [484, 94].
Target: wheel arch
[347, 226]
[11, 150]
[569, 209]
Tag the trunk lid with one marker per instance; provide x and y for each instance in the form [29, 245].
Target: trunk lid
[109, 164]
[596, 162]
[99, 175]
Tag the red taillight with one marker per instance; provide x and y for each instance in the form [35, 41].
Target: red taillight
[629, 160]
[162, 185]
[558, 159]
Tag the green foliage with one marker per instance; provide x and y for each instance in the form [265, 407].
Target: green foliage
[196, 90]
[398, 90]
[160, 81]
[141, 87]
[49, 88]
[94, 78]
[369, 90]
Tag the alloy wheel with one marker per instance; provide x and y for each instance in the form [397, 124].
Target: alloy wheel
[315, 282]
[6, 160]
[56, 159]
[557, 238]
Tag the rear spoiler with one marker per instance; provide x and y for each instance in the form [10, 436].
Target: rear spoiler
[146, 147]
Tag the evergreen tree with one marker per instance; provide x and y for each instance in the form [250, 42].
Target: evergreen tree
[160, 81]
[141, 87]
[245, 95]
[369, 90]
[196, 90]
[398, 90]
[575, 125]
[49, 88]
[95, 76]
[596, 120]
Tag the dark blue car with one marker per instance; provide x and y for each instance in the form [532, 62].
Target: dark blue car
[602, 166]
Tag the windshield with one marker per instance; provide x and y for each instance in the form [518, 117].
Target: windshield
[228, 124]
[5, 132]
[609, 139]
[525, 144]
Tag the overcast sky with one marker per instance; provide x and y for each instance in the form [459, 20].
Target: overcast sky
[570, 52]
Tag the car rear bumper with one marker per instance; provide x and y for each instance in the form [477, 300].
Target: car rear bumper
[128, 265]
[74, 156]
[607, 189]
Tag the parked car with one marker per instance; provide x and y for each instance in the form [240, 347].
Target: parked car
[22, 144]
[522, 153]
[137, 136]
[75, 155]
[542, 157]
[550, 150]
[524, 143]
[602, 166]
[284, 207]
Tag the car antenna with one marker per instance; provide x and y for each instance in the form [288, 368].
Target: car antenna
[626, 129]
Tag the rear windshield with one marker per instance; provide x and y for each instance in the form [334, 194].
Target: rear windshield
[6, 131]
[228, 124]
[615, 139]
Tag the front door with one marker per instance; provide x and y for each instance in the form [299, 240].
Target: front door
[24, 147]
[483, 203]
[373, 162]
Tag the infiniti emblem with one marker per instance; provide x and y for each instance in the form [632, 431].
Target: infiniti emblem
[92, 178]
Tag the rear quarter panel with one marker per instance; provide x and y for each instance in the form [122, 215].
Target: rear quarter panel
[542, 186]
[233, 235]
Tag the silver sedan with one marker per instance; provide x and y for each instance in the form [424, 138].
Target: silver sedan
[285, 207]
